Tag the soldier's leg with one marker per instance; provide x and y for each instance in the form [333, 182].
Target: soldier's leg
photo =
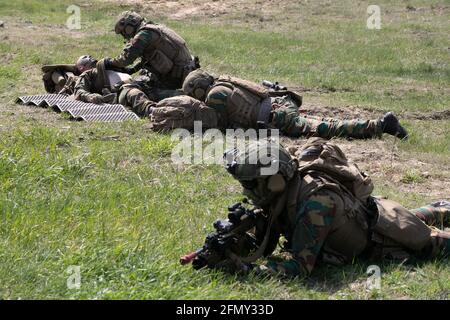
[439, 244]
[285, 117]
[436, 214]
[291, 123]
[158, 94]
[136, 100]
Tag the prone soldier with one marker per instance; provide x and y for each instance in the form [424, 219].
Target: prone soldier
[244, 104]
[100, 85]
[323, 206]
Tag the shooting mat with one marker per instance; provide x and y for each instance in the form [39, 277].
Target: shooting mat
[80, 110]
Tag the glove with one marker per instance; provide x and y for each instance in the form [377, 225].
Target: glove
[109, 98]
[94, 98]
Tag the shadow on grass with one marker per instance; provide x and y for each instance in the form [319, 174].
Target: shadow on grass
[330, 280]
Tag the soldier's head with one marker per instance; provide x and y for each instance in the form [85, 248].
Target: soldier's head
[128, 24]
[262, 167]
[197, 84]
[85, 63]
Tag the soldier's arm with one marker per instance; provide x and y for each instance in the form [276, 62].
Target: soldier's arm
[84, 87]
[315, 217]
[133, 50]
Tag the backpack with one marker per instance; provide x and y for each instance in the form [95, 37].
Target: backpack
[324, 156]
[181, 112]
[253, 88]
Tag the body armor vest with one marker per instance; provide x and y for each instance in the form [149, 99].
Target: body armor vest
[244, 104]
[168, 55]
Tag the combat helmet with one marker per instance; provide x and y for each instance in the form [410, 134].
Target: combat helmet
[128, 24]
[85, 62]
[263, 168]
[197, 84]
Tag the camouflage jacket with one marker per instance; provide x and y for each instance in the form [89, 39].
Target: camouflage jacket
[321, 226]
[87, 84]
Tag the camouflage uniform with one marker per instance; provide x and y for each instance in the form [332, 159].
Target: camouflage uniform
[322, 220]
[140, 99]
[286, 118]
[162, 51]
[310, 243]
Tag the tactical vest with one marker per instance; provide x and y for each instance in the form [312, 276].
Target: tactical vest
[168, 55]
[244, 104]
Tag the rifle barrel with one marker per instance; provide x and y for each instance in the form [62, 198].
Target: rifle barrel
[189, 257]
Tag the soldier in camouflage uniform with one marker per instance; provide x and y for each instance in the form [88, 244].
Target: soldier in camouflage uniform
[244, 104]
[323, 220]
[61, 78]
[161, 51]
[99, 85]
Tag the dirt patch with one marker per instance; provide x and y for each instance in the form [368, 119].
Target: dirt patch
[435, 115]
[345, 112]
[255, 10]
[365, 113]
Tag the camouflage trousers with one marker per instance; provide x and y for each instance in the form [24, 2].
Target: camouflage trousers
[439, 221]
[286, 118]
[140, 102]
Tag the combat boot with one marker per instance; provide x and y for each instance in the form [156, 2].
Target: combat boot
[436, 214]
[391, 125]
[444, 208]
[147, 108]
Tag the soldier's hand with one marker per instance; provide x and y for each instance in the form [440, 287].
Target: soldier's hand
[95, 98]
[129, 70]
[107, 62]
[109, 98]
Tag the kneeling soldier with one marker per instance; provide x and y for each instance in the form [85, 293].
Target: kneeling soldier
[160, 50]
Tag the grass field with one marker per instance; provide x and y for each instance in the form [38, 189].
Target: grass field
[107, 198]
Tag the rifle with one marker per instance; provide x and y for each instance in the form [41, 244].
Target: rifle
[233, 239]
[274, 86]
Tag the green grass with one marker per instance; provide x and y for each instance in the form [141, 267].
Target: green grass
[107, 197]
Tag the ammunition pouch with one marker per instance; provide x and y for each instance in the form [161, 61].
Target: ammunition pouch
[160, 62]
